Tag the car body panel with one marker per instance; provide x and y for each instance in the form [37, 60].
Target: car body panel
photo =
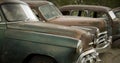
[23, 43]
[77, 21]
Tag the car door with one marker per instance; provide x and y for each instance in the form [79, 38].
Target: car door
[2, 36]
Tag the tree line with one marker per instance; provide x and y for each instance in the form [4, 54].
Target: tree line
[109, 3]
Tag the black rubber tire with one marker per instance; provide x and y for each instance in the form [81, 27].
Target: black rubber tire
[41, 59]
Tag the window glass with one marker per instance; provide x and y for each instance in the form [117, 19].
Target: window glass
[74, 13]
[18, 12]
[49, 11]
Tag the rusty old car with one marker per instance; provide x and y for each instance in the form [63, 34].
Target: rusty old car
[49, 13]
[112, 17]
[24, 39]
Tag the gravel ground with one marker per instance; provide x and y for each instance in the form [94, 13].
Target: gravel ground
[111, 56]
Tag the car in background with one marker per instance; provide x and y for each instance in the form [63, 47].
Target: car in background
[111, 16]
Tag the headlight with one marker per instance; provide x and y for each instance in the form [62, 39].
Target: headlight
[79, 46]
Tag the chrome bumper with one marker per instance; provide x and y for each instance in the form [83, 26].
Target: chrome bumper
[90, 56]
[103, 42]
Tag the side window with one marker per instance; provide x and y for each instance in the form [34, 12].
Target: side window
[74, 12]
[79, 13]
[66, 12]
[84, 13]
[95, 14]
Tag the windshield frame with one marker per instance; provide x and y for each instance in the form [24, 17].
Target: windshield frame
[5, 16]
[58, 14]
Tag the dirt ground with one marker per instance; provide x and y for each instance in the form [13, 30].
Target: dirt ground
[111, 56]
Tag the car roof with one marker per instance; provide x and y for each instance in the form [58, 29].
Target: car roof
[85, 7]
[37, 3]
[116, 9]
[11, 2]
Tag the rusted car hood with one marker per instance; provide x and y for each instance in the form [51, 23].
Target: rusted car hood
[47, 28]
[79, 21]
[53, 29]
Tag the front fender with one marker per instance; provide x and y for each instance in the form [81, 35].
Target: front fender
[20, 44]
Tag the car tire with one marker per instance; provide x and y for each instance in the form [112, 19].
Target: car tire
[41, 59]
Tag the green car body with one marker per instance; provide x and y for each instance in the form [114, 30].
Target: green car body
[20, 43]
[22, 37]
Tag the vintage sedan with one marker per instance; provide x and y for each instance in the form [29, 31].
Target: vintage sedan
[112, 16]
[24, 39]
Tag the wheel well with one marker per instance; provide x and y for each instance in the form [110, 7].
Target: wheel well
[32, 55]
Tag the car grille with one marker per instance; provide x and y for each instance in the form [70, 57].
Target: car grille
[103, 40]
[89, 56]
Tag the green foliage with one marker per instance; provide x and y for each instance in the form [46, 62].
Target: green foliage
[109, 3]
[62, 2]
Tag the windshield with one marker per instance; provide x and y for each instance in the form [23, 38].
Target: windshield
[18, 12]
[49, 11]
